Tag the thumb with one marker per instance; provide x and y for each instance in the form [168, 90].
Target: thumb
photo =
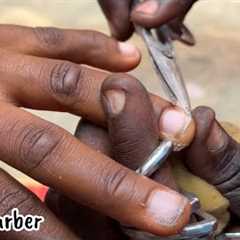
[131, 146]
[134, 131]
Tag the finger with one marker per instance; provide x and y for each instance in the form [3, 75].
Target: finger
[14, 196]
[214, 156]
[85, 222]
[153, 13]
[48, 84]
[79, 46]
[118, 15]
[132, 126]
[181, 33]
[94, 136]
[55, 158]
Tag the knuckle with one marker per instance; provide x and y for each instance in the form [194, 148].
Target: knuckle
[49, 36]
[119, 183]
[37, 146]
[64, 79]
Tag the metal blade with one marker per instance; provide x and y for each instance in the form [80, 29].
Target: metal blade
[163, 58]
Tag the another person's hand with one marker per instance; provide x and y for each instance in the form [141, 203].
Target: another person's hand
[215, 157]
[150, 13]
[35, 74]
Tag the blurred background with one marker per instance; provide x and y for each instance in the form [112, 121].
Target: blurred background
[211, 69]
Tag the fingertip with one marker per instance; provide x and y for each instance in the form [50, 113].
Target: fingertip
[204, 112]
[204, 118]
[170, 212]
[153, 13]
[176, 125]
[117, 13]
[123, 32]
[128, 50]
[130, 53]
[149, 7]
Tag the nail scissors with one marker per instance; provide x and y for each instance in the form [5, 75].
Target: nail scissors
[161, 51]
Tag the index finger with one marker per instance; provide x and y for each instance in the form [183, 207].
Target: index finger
[57, 159]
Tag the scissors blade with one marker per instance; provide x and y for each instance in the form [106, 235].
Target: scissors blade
[164, 61]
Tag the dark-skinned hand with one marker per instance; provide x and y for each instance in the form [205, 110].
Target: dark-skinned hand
[131, 136]
[45, 69]
[150, 13]
[33, 75]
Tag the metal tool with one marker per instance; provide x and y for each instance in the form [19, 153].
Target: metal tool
[156, 159]
[160, 47]
[229, 235]
[161, 51]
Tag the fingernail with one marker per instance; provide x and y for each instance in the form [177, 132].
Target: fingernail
[128, 49]
[166, 207]
[148, 7]
[174, 121]
[115, 100]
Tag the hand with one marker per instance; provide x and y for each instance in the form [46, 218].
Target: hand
[131, 137]
[35, 74]
[150, 13]
[215, 157]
